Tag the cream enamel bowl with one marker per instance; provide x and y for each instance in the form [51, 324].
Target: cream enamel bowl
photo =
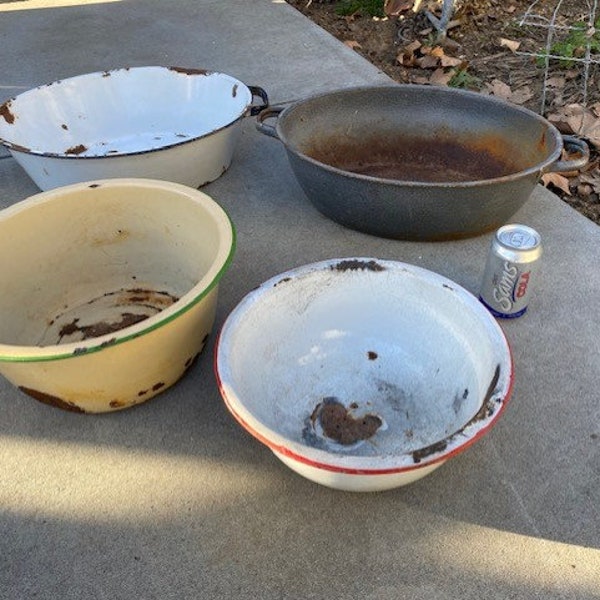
[363, 374]
[166, 123]
[109, 289]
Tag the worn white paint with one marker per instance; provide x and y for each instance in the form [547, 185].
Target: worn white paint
[154, 122]
[382, 338]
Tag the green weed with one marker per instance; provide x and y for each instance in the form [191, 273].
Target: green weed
[370, 8]
[574, 45]
[465, 81]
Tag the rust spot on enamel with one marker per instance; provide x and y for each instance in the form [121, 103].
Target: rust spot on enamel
[190, 361]
[419, 455]
[51, 400]
[487, 409]
[488, 406]
[19, 148]
[108, 342]
[357, 265]
[341, 426]
[284, 280]
[101, 328]
[150, 301]
[189, 71]
[6, 113]
[75, 150]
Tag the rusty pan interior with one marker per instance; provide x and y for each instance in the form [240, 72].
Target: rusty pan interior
[419, 134]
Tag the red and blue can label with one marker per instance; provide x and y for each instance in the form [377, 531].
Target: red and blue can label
[510, 269]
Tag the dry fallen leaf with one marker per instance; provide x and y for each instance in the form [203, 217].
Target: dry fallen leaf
[450, 61]
[393, 8]
[595, 108]
[499, 88]
[591, 178]
[413, 46]
[428, 62]
[406, 56]
[352, 44]
[584, 189]
[426, 57]
[437, 51]
[521, 95]
[558, 181]
[441, 77]
[557, 82]
[502, 90]
[579, 120]
[512, 45]
[421, 80]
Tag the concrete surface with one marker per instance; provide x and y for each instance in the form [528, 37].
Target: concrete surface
[173, 499]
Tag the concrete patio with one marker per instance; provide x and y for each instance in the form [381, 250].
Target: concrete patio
[172, 499]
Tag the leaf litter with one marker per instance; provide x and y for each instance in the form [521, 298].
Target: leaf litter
[487, 49]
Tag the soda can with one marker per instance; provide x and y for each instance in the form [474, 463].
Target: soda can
[510, 268]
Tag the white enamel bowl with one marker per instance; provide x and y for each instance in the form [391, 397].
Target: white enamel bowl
[109, 290]
[165, 123]
[362, 374]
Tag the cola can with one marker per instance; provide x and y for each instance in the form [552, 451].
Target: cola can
[510, 270]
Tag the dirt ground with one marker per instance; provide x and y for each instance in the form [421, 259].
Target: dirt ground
[525, 51]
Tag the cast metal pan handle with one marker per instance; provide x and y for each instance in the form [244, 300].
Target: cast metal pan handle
[258, 92]
[576, 146]
[271, 112]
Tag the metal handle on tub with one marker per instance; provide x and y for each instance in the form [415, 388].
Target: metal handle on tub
[573, 145]
[258, 92]
[272, 112]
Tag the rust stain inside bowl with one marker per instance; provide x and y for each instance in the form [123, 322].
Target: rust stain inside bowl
[435, 160]
[105, 314]
[75, 150]
[339, 424]
[102, 327]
